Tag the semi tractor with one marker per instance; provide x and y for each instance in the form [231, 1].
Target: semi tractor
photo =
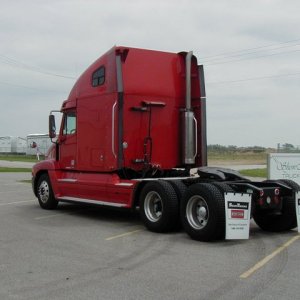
[133, 135]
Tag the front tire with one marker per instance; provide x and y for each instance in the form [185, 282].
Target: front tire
[45, 193]
[159, 207]
[202, 212]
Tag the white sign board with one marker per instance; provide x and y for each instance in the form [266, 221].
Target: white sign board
[284, 166]
[298, 209]
[238, 213]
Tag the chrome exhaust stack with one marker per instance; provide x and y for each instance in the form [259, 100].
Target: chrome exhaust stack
[189, 123]
[202, 134]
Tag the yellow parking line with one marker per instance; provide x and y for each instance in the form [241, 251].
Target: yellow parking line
[265, 260]
[17, 202]
[123, 234]
[49, 216]
[60, 214]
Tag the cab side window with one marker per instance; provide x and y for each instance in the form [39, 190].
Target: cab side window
[98, 77]
[69, 123]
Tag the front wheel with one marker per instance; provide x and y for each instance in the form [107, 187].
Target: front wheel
[159, 206]
[202, 212]
[45, 193]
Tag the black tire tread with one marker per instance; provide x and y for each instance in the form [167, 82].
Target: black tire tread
[292, 184]
[277, 223]
[215, 229]
[223, 187]
[170, 219]
[179, 188]
[52, 202]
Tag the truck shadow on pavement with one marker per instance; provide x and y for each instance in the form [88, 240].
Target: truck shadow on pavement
[95, 212]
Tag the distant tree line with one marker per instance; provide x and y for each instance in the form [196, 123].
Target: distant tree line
[231, 148]
[286, 147]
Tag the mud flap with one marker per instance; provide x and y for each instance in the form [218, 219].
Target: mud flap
[238, 214]
[298, 210]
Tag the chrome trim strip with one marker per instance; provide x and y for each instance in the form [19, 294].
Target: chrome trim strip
[124, 184]
[165, 178]
[82, 200]
[67, 180]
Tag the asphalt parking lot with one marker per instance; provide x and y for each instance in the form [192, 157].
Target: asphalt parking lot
[83, 252]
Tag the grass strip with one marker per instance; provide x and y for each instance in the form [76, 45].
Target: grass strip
[254, 172]
[14, 170]
[25, 181]
[21, 157]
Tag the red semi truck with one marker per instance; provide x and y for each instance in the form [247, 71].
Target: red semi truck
[133, 128]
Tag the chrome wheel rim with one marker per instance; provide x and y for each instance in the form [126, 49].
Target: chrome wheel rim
[153, 206]
[44, 191]
[197, 212]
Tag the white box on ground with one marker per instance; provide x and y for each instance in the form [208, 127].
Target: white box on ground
[237, 216]
[284, 166]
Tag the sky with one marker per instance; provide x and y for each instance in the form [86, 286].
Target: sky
[250, 51]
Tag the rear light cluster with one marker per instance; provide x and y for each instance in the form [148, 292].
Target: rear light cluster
[269, 199]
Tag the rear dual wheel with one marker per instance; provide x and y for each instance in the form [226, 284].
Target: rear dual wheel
[284, 220]
[202, 209]
[159, 208]
[276, 222]
[202, 212]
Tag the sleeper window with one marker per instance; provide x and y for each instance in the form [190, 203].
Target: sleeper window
[98, 77]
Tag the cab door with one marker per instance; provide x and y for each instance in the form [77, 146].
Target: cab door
[68, 141]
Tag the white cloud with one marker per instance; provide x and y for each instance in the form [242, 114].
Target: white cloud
[64, 37]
